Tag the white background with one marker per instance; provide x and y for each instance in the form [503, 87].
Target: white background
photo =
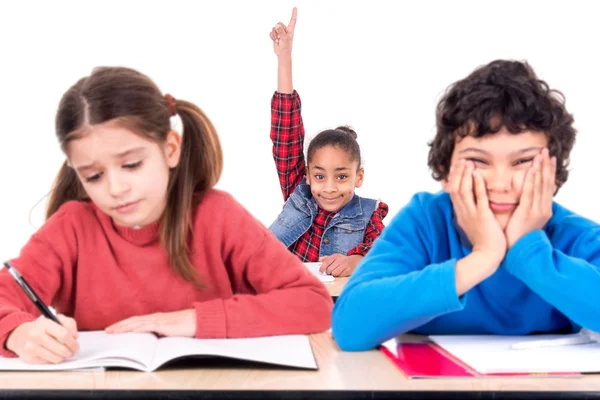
[378, 66]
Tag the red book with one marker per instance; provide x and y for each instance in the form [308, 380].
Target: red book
[428, 360]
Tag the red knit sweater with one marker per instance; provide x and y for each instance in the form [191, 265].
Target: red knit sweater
[99, 273]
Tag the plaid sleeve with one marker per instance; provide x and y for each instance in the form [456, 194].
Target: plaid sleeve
[287, 135]
[373, 230]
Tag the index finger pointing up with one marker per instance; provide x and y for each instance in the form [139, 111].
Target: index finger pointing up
[292, 23]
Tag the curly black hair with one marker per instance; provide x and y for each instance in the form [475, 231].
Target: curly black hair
[501, 94]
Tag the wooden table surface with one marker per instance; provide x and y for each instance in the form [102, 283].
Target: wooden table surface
[370, 371]
[335, 287]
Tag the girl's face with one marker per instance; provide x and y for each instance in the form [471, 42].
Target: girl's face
[502, 159]
[124, 174]
[332, 177]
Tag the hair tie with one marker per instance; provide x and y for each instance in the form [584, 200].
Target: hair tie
[171, 104]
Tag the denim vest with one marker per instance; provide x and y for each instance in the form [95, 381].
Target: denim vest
[345, 230]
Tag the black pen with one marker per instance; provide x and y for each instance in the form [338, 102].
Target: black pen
[31, 293]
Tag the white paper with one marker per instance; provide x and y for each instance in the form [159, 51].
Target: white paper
[490, 354]
[314, 268]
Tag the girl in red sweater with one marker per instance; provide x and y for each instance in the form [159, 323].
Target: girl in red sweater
[137, 239]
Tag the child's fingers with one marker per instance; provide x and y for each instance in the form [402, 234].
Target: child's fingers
[466, 187]
[126, 326]
[553, 161]
[526, 200]
[116, 326]
[144, 329]
[280, 29]
[32, 359]
[70, 324]
[333, 266]
[54, 346]
[538, 181]
[481, 199]
[138, 325]
[549, 180]
[123, 325]
[340, 270]
[62, 338]
[292, 23]
[454, 176]
[273, 35]
[454, 186]
[46, 355]
[325, 261]
[326, 265]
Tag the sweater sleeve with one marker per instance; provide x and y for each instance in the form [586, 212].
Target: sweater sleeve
[395, 288]
[42, 262]
[568, 280]
[283, 296]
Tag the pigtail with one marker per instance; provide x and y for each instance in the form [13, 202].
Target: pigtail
[66, 187]
[198, 170]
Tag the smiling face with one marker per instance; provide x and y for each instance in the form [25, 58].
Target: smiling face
[332, 177]
[124, 174]
[502, 159]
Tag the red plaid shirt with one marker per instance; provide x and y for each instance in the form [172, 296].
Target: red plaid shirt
[287, 134]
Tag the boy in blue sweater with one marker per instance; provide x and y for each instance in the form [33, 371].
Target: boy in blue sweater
[492, 253]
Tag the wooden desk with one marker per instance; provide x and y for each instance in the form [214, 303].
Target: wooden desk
[339, 373]
[335, 287]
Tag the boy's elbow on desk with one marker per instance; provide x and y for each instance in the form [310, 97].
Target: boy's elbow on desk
[349, 339]
[348, 331]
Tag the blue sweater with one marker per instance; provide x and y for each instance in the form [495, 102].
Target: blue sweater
[549, 280]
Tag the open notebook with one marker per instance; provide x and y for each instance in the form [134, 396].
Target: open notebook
[146, 352]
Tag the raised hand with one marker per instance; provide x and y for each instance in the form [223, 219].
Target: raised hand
[283, 36]
[535, 205]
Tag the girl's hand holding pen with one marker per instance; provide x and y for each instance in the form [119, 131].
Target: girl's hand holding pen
[43, 341]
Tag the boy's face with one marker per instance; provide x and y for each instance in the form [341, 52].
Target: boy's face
[502, 159]
[124, 174]
[332, 177]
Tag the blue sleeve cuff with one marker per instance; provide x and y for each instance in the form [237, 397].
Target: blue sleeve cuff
[520, 254]
[447, 286]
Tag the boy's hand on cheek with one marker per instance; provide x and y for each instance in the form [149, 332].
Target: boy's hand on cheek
[535, 206]
[177, 323]
[339, 265]
[471, 205]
